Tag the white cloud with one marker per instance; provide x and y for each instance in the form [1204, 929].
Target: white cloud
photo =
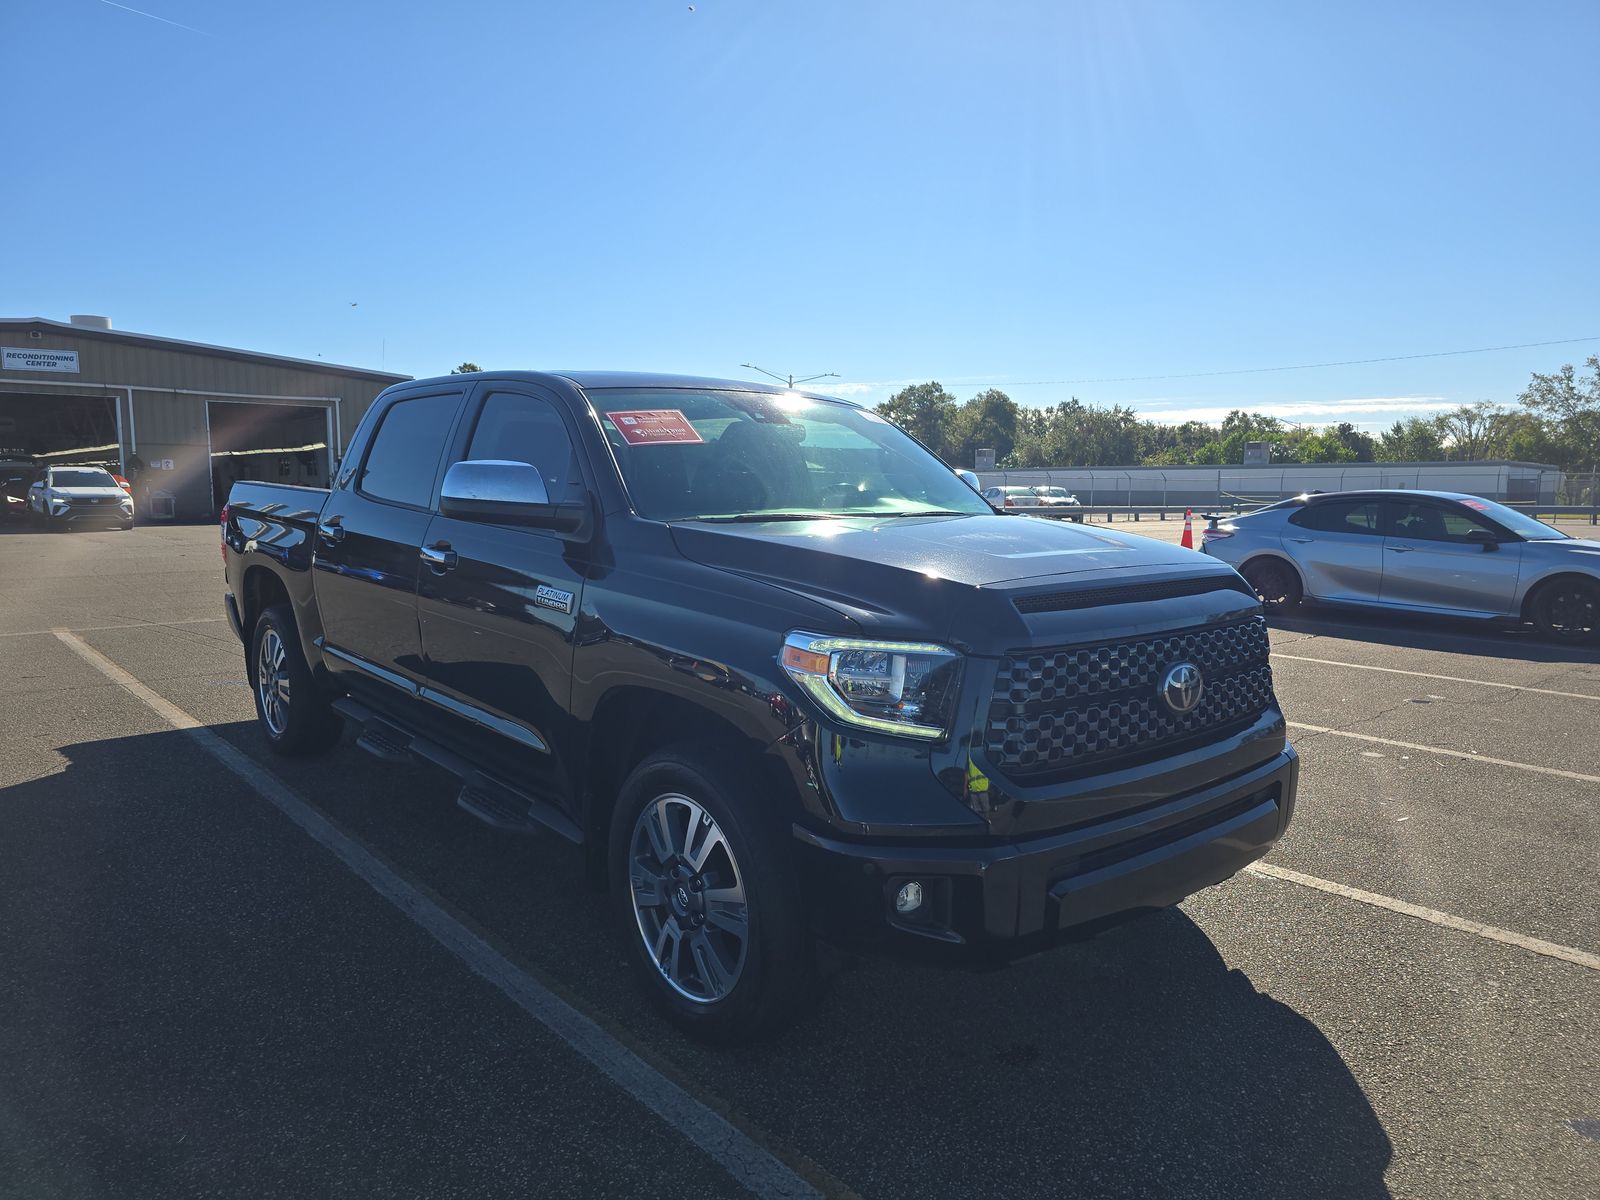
[1303, 411]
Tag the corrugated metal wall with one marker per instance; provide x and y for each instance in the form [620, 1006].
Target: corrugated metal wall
[165, 423]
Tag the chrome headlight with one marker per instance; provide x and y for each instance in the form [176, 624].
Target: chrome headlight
[905, 688]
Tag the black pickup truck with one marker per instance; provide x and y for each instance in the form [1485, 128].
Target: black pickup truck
[784, 676]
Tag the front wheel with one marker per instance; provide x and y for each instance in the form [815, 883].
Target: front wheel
[1276, 584]
[707, 899]
[1569, 609]
[294, 712]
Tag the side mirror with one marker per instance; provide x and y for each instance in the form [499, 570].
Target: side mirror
[1484, 538]
[500, 492]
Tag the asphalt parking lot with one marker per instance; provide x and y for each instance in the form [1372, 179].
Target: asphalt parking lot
[198, 998]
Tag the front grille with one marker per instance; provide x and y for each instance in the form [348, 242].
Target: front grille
[1062, 712]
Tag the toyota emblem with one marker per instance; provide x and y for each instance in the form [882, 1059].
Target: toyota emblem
[1181, 688]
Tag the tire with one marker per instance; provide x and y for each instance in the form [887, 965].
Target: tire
[1568, 609]
[716, 981]
[294, 712]
[1276, 584]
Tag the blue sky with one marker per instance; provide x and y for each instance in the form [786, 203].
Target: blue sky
[1021, 195]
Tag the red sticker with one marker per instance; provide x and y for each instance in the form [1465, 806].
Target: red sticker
[1477, 504]
[654, 427]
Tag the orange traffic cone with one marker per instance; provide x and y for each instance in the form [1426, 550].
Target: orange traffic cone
[1188, 529]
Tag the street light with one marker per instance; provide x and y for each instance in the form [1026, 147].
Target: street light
[790, 380]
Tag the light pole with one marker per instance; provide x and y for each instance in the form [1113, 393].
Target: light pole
[790, 380]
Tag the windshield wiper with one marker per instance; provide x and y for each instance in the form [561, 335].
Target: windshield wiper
[925, 512]
[778, 516]
[735, 518]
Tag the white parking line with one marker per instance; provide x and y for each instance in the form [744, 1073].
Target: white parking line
[1432, 915]
[104, 628]
[1515, 687]
[750, 1165]
[1466, 754]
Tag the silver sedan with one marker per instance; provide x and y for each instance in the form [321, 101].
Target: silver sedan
[1425, 552]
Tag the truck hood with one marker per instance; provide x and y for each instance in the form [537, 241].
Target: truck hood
[913, 576]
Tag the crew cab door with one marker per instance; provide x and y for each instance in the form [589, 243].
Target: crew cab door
[369, 537]
[498, 604]
[1433, 561]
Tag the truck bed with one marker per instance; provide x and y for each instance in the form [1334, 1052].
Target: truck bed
[284, 503]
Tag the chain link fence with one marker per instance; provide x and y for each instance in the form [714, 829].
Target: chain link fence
[1529, 486]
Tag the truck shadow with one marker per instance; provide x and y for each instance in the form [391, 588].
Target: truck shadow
[1135, 1065]
[1139, 1064]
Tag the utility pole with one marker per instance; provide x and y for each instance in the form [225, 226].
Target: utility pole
[790, 380]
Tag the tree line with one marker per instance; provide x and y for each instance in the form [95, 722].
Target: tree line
[1556, 420]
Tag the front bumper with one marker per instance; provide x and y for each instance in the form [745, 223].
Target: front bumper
[89, 514]
[1004, 900]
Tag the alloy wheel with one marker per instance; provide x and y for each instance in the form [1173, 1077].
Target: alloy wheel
[272, 681]
[1572, 611]
[688, 898]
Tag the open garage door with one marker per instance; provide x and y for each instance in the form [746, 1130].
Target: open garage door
[40, 431]
[60, 429]
[277, 443]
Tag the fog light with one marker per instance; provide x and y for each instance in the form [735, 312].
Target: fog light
[909, 898]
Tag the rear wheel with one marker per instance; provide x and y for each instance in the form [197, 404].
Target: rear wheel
[294, 712]
[1568, 609]
[1276, 584]
[707, 899]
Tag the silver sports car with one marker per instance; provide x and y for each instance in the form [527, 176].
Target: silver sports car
[1428, 552]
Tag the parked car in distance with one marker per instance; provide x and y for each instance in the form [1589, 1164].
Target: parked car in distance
[1060, 503]
[1011, 497]
[780, 674]
[1415, 551]
[64, 497]
[15, 479]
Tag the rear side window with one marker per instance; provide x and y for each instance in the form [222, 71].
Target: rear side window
[1346, 516]
[404, 456]
[521, 428]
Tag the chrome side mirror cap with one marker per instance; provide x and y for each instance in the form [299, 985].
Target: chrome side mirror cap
[503, 492]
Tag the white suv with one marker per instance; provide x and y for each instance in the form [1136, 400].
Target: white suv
[67, 496]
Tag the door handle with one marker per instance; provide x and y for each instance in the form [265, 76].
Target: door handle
[1400, 549]
[330, 530]
[1301, 541]
[439, 557]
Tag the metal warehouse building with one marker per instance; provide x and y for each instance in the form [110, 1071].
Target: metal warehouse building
[180, 420]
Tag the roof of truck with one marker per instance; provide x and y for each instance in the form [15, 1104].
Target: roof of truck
[646, 379]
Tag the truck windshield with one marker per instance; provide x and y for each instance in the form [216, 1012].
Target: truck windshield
[727, 455]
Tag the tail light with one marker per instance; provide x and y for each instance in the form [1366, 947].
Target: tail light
[223, 523]
[1010, 503]
[1213, 533]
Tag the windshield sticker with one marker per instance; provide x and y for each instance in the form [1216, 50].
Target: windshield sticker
[1477, 504]
[654, 427]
